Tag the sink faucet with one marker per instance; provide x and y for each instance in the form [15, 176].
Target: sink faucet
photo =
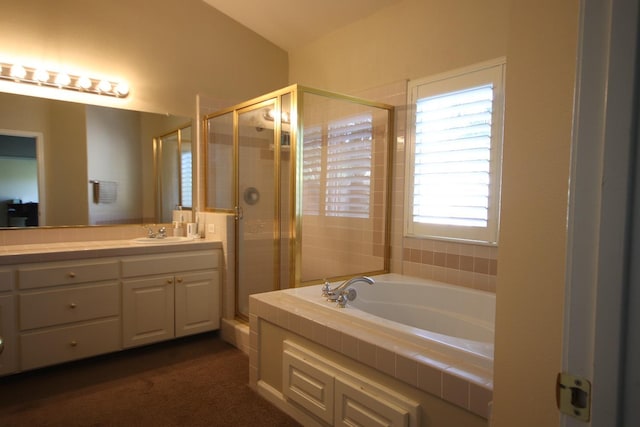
[150, 233]
[161, 234]
[342, 289]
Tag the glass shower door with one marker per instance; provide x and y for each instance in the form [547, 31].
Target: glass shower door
[256, 223]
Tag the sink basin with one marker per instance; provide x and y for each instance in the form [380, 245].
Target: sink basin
[166, 240]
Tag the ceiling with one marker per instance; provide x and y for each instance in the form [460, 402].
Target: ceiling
[293, 23]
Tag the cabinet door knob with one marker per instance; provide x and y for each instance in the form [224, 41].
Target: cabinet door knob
[179, 279]
[73, 343]
[72, 274]
[1, 345]
[72, 305]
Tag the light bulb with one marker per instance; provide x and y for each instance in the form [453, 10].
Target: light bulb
[63, 79]
[41, 75]
[18, 71]
[84, 82]
[104, 86]
[122, 89]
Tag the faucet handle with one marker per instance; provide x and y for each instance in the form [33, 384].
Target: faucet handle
[342, 300]
[150, 232]
[326, 288]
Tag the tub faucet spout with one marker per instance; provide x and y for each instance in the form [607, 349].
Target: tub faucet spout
[341, 289]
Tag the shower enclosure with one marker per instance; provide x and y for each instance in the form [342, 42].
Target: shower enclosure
[173, 172]
[306, 174]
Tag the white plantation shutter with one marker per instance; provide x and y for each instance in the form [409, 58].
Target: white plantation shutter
[454, 165]
[349, 160]
[337, 163]
[312, 170]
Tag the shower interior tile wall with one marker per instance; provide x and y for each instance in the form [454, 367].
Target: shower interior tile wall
[468, 265]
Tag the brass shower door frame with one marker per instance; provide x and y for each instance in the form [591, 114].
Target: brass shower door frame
[295, 177]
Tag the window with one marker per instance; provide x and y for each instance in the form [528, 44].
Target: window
[454, 155]
[337, 174]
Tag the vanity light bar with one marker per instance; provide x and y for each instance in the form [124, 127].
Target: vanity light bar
[80, 83]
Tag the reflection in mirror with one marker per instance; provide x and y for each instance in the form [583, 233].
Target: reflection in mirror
[78, 147]
[174, 166]
[219, 162]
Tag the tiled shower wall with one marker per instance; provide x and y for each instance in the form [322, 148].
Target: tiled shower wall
[470, 265]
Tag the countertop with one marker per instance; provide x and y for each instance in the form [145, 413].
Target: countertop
[45, 252]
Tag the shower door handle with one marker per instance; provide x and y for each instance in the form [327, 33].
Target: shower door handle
[239, 212]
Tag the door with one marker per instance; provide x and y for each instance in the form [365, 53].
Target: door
[147, 310]
[600, 287]
[8, 353]
[197, 300]
[256, 219]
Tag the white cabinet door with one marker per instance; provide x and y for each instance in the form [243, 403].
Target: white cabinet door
[356, 406]
[197, 303]
[308, 383]
[147, 310]
[8, 353]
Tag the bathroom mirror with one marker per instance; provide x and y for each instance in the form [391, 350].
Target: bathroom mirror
[82, 164]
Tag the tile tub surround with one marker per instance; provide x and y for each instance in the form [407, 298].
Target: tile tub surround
[460, 383]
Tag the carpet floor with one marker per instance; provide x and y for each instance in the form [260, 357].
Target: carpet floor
[195, 381]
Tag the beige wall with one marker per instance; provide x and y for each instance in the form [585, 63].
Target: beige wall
[419, 38]
[412, 39]
[530, 297]
[168, 51]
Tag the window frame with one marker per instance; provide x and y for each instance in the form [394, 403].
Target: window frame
[453, 81]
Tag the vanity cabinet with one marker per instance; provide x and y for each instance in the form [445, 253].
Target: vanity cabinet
[159, 306]
[67, 311]
[63, 310]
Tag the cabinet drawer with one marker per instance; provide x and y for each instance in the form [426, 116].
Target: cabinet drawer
[6, 280]
[66, 273]
[55, 307]
[169, 263]
[69, 343]
[308, 384]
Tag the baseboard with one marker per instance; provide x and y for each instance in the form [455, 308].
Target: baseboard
[235, 333]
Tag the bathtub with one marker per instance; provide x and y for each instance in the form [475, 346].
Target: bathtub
[435, 338]
[454, 321]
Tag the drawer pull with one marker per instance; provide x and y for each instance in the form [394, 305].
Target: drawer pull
[73, 343]
[72, 274]
[72, 305]
[1, 345]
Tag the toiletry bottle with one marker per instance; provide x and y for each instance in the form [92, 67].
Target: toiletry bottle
[178, 225]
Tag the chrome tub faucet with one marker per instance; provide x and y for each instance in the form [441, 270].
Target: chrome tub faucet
[342, 293]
